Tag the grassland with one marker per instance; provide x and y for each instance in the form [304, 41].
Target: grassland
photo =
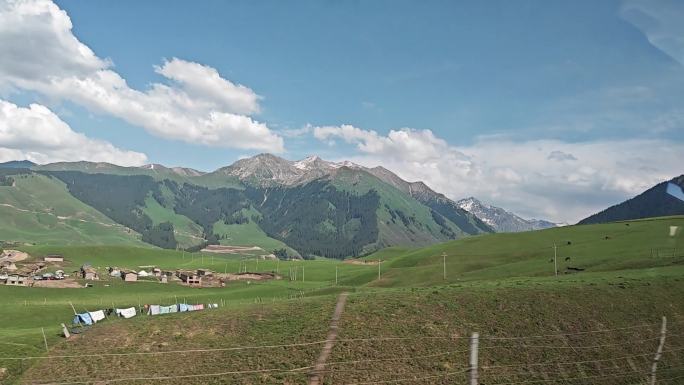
[501, 285]
[66, 220]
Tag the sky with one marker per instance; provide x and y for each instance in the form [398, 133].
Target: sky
[551, 109]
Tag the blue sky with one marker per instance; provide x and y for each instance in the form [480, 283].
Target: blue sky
[472, 97]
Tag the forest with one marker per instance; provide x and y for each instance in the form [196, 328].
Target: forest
[315, 219]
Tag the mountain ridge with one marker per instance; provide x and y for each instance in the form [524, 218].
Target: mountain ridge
[500, 219]
[315, 207]
[657, 201]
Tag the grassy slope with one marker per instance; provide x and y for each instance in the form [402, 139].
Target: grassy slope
[622, 286]
[448, 313]
[248, 234]
[530, 254]
[426, 231]
[187, 232]
[40, 209]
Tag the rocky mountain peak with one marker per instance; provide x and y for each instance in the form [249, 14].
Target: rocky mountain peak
[500, 219]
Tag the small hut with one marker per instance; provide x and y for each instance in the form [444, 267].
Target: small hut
[129, 276]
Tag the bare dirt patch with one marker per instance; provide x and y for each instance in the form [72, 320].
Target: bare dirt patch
[58, 284]
[361, 262]
[227, 249]
[13, 256]
[248, 276]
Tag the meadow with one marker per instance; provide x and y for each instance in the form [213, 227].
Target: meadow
[621, 275]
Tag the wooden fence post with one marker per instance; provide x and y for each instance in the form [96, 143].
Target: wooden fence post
[659, 352]
[45, 340]
[474, 346]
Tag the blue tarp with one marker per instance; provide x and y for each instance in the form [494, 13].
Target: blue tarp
[83, 319]
[675, 191]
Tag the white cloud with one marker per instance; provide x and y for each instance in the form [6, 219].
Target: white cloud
[519, 175]
[205, 83]
[196, 105]
[661, 22]
[37, 134]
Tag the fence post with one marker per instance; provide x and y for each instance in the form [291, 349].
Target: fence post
[65, 331]
[659, 352]
[45, 340]
[474, 346]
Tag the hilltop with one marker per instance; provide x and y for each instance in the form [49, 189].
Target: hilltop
[663, 199]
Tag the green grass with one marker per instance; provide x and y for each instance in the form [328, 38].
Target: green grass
[498, 284]
[187, 232]
[595, 248]
[248, 234]
[40, 209]
[424, 231]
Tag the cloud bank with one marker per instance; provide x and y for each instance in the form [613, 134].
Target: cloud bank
[37, 134]
[551, 179]
[195, 105]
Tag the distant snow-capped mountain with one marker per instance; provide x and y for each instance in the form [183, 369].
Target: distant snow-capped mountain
[500, 220]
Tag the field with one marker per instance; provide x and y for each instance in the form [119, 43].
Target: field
[598, 320]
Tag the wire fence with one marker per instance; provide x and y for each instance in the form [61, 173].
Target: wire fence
[618, 369]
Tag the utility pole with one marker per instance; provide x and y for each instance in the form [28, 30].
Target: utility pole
[444, 264]
[555, 256]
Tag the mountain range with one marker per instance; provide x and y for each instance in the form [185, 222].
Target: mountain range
[310, 207]
[500, 220]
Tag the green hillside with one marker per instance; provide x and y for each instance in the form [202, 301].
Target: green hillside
[402, 220]
[500, 285]
[39, 209]
[617, 246]
[322, 209]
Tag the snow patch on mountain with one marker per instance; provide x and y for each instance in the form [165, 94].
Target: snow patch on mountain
[500, 219]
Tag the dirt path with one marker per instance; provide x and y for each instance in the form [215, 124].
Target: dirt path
[316, 375]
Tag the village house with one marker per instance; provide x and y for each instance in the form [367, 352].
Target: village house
[129, 276]
[89, 273]
[53, 258]
[190, 279]
[18, 280]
